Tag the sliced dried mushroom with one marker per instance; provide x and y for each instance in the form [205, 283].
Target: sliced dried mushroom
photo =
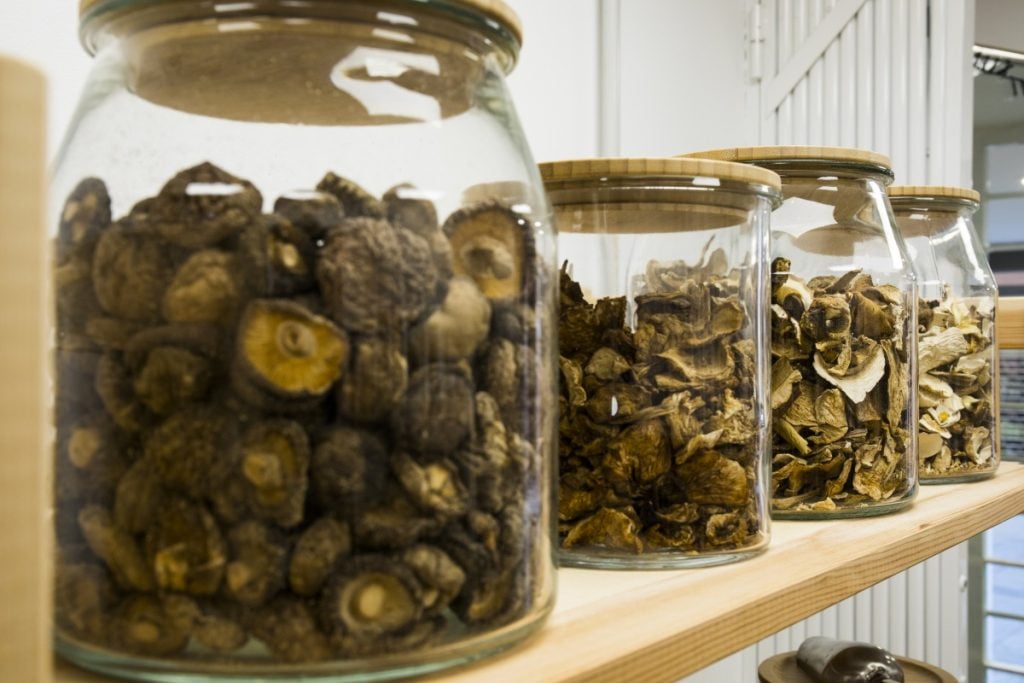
[712, 479]
[185, 548]
[131, 270]
[204, 206]
[606, 528]
[287, 357]
[206, 288]
[493, 245]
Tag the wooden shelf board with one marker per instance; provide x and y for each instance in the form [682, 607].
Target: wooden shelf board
[663, 625]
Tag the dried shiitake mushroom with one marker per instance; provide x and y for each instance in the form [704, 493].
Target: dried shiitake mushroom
[206, 288]
[287, 357]
[354, 200]
[455, 330]
[203, 206]
[492, 245]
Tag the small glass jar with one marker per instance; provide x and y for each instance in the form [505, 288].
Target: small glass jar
[958, 430]
[664, 360]
[305, 344]
[843, 312]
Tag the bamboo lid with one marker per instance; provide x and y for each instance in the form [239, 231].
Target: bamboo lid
[795, 152]
[595, 169]
[495, 10]
[934, 192]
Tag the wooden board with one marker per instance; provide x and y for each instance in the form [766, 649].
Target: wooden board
[660, 626]
[783, 668]
[1010, 322]
[24, 581]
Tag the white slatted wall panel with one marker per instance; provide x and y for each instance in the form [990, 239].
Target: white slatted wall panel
[877, 80]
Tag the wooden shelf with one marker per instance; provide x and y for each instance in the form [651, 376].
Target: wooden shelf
[660, 626]
[1010, 322]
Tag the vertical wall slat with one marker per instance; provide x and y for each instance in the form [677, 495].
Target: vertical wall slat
[847, 620]
[932, 609]
[831, 94]
[815, 81]
[847, 81]
[917, 91]
[882, 102]
[830, 622]
[937, 60]
[915, 611]
[798, 132]
[865, 97]
[899, 63]
[953, 601]
[898, 613]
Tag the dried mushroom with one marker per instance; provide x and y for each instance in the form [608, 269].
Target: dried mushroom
[206, 288]
[657, 429]
[373, 597]
[492, 245]
[354, 200]
[203, 206]
[287, 357]
[316, 554]
[839, 392]
[374, 277]
[185, 548]
[956, 395]
[313, 212]
[435, 416]
[131, 270]
[257, 567]
[142, 625]
[374, 382]
[298, 435]
[454, 331]
[85, 214]
[277, 258]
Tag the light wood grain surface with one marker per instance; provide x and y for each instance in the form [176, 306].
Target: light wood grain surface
[24, 581]
[1010, 322]
[645, 627]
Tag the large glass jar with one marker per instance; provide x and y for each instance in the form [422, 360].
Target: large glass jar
[664, 360]
[957, 361]
[843, 312]
[305, 351]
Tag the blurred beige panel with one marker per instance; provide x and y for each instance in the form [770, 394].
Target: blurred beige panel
[24, 544]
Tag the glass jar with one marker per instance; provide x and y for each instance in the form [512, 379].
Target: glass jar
[844, 359]
[305, 350]
[957, 362]
[664, 360]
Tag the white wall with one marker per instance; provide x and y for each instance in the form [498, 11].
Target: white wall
[1000, 23]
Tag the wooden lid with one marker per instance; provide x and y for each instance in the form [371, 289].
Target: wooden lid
[934, 192]
[595, 169]
[496, 10]
[795, 152]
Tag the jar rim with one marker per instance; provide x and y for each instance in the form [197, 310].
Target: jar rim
[937, 193]
[494, 16]
[781, 154]
[609, 169]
